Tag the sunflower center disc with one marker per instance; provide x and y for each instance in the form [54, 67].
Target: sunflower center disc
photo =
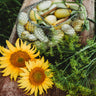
[37, 76]
[18, 58]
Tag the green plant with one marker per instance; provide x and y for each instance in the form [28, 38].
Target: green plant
[74, 66]
[8, 13]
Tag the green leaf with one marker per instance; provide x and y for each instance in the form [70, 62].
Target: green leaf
[86, 24]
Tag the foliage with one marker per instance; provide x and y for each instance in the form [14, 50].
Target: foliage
[73, 66]
[8, 13]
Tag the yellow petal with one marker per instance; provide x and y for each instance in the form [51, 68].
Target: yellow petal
[36, 91]
[21, 42]
[41, 89]
[3, 58]
[28, 66]
[45, 65]
[10, 46]
[42, 59]
[24, 70]
[4, 50]
[25, 46]
[32, 90]
[37, 54]
[6, 73]
[17, 43]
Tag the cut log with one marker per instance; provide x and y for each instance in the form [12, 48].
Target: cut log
[10, 88]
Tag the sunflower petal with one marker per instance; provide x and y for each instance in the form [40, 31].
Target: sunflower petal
[32, 90]
[37, 54]
[36, 91]
[25, 70]
[28, 66]
[32, 86]
[10, 46]
[17, 43]
[4, 50]
[10, 58]
[41, 89]
[21, 42]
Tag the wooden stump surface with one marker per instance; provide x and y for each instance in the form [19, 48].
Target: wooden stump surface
[10, 88]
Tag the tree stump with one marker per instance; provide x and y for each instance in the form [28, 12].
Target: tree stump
[10, 88]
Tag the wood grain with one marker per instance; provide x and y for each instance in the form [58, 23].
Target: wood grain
[10, 88]
[90, 8]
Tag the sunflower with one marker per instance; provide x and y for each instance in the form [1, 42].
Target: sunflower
[14, 58]
[36, 78]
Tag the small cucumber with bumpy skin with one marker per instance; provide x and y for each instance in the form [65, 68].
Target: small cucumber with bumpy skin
[39, 33]
[68, 29]
[32, 37]
[61, 13]
[22, 18]
[44, 5]
[51, 19]
[77, 25]
[20, 29]
[24, 35]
